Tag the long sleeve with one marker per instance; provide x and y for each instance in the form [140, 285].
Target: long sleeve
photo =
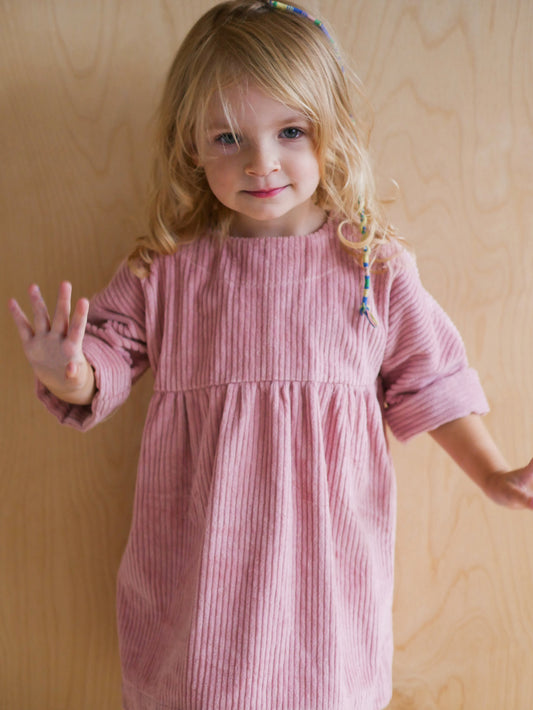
[115, 346]
[425, 373]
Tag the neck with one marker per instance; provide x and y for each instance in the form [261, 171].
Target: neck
[288, 225]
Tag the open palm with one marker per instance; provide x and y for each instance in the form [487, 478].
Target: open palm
[54, 347]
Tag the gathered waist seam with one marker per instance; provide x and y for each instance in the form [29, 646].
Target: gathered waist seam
[211, 385]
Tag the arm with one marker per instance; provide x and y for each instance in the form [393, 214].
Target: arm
[91, 359]
[425, 376]
[428, 386]
[471, 446]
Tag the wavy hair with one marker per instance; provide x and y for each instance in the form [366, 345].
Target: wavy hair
[292, 60]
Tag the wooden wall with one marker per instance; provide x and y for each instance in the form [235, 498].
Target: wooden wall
[452, 86]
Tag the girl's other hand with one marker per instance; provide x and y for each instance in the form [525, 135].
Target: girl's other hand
[513, 489]
[54, 348]
[471, 446]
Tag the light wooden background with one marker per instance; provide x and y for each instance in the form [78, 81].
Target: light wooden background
[452, 85]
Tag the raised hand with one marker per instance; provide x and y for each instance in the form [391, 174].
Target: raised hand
[54, 348]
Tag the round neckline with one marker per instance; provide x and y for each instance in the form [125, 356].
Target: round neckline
[324, 230]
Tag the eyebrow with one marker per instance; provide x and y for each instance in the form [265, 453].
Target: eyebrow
[219, 128]
[285, 120]
[296, 118]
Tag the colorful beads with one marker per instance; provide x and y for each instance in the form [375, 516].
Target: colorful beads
[365, 309]
[362, 221]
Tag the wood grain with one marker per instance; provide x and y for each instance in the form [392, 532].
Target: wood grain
[451, 84]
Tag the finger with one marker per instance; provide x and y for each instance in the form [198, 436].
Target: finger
[21, 321]
[41, 318]
[62, 311]
[78, 322]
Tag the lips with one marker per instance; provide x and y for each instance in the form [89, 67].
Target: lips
[262, 194]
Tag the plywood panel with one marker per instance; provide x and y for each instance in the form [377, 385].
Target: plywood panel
[451, 83]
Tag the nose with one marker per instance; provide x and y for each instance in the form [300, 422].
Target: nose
[262, 160]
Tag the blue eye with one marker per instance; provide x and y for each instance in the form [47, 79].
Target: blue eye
[227, 139]
[291, 133]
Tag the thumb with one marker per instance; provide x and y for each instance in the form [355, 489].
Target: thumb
[81, 382]
[75, 369]
[72, 370]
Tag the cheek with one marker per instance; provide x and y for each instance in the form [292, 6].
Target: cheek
[220, 172]
[309, 169]
[216, 178]
[222, 181]
[304, 160]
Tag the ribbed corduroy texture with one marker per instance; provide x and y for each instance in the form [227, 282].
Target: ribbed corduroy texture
[259, 569]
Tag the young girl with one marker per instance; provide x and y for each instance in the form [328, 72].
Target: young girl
[285, 326]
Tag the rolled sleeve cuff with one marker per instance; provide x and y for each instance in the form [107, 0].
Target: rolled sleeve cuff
[446, 399]
[113, 384]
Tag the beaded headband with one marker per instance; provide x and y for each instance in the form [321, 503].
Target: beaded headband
[298, 11]
[364, 310]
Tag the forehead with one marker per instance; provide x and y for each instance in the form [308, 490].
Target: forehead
[248, 104]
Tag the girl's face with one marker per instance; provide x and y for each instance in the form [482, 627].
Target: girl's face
[267, 174]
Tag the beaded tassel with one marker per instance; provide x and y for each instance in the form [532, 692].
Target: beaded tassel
[365, 310]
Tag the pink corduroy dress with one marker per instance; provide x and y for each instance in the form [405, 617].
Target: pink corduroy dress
[258, 574]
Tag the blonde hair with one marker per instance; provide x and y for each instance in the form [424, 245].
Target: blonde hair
[289, 58]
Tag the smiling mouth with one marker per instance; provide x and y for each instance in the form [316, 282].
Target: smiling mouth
[265, 193]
